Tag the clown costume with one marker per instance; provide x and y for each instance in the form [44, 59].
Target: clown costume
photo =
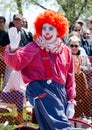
[47, 66]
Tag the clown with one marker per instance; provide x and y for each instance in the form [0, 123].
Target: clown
[47, 66]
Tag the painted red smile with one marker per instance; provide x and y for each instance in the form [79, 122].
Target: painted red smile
[47, 38]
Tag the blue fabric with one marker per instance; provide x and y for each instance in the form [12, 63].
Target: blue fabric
[49, 110]
[87, 45]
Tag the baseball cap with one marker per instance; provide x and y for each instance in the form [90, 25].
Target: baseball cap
[80, 22]
[89, 18]
[17, 16]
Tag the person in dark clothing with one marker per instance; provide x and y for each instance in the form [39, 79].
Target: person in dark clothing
[26, 36]
[87, 45]
[11, 24]
[25, 23]
[87, 42]
[4, 40]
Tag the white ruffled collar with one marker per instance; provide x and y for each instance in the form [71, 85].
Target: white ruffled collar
[56, 47]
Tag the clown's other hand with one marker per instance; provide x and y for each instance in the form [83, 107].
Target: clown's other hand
[40, 42]
[70, 111]
[14, 37]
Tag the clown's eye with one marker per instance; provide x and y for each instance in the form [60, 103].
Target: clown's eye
[51, 28]
[44, 28]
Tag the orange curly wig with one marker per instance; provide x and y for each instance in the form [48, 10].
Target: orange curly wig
[58, 20]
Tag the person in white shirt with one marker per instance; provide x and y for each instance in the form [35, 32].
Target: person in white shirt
[74, 44]
[14, 92]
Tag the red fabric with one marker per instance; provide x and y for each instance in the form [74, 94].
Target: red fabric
[29, 60]
[46, 64]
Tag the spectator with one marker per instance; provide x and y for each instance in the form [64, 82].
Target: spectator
[82, 96]
[89, 23]
[4, 40]
[14, 92]
[26, 36]
[51, 88]
[74, 44]
[7, 69]
[11, 24]
[87, 34]
[78, 28]
[87, 42]
[72, 33]
[80, 22]
[25, 23]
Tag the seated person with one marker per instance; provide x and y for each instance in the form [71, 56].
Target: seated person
[74, 45]
[82, 96]
[14, 92]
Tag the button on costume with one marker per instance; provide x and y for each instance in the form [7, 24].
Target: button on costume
[47, 66]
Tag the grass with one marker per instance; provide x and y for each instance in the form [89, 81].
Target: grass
[10, 118]
[11, 127]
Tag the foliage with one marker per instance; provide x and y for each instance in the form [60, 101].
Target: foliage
[73, 9]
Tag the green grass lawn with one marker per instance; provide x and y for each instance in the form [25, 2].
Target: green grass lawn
[11, 120]
[11, 125]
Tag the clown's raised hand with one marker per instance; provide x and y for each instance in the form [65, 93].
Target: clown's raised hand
[14, 37]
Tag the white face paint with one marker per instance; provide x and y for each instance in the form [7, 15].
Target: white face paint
[49, 33]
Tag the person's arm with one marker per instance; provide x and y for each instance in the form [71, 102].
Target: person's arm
[85, 65]
[70, 89]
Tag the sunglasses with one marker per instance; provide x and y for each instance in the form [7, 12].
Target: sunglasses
[74, 46]
[77, 30]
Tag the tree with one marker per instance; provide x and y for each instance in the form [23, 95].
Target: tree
[19, 6]
[73, 9]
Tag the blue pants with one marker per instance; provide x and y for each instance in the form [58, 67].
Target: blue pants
[49, 109]
[14, 97]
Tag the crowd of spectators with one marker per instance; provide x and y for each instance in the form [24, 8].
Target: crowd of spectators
[13, 86]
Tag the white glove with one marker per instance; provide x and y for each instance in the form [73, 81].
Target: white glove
[70, 111]
[14, 37]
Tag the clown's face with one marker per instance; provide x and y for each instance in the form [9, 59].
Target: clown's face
[49, 33]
